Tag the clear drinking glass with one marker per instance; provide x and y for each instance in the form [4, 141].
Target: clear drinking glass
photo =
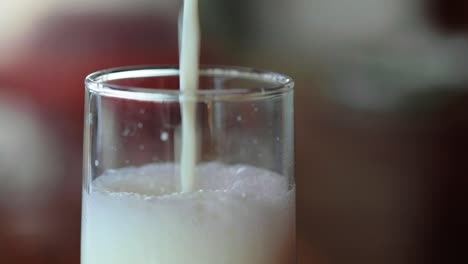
[242, 209]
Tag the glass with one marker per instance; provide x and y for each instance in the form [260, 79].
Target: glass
[243, 207]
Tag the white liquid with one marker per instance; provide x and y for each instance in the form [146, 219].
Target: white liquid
[244, 215]
[189, 60]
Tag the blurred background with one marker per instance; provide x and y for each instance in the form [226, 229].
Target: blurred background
[381, 115]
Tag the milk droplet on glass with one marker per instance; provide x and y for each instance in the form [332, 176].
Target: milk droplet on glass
[126, 132]
[164, 136]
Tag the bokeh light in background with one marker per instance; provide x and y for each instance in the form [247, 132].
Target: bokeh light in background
[382, 115]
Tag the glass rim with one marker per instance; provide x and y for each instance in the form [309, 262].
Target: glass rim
[97, 83]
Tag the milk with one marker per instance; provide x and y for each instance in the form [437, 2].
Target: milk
[189, 60]
[239, 215]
